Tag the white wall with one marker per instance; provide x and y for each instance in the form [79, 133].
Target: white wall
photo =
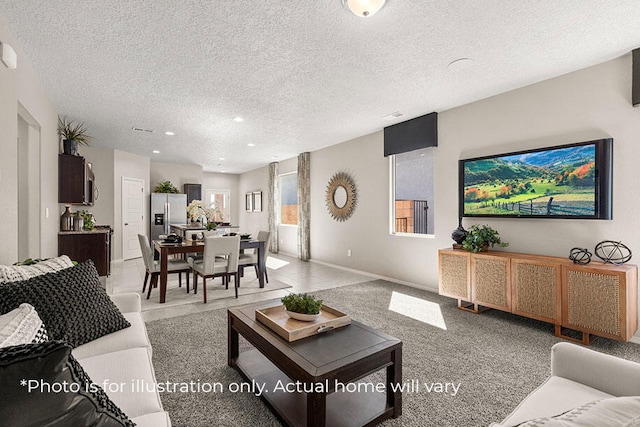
[256, 180]
[178, 174]
[130, 166]
[21, 86]
[584, 105]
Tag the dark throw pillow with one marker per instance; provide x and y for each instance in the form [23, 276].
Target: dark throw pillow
[42, 384]
[70, 302]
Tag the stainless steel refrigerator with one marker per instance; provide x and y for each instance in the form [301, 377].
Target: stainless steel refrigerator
[166, 209]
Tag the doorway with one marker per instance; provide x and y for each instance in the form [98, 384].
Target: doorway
[28, 185]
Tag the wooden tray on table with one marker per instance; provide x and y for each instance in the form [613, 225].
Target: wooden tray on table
[277, 319]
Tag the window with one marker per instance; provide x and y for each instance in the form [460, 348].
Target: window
[412, 192]
[289, 199]
[219, 200]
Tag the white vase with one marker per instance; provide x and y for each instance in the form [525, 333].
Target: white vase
[303, 317]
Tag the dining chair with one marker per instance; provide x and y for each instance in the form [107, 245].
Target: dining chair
[249, 259]
[220, 259]
[153, 267]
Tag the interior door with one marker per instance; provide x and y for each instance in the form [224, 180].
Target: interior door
[132, 216]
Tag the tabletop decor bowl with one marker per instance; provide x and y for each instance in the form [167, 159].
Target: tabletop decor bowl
[302, 307]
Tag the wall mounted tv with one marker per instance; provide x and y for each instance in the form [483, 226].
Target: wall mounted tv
[565, 181]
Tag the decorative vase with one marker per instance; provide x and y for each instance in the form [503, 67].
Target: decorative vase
[458, 235]
[70, 147]
[66, 219]
[78, 223]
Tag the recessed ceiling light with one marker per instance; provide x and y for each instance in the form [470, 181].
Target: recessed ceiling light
[238, 119]
[156, 152]
[221, 158]
[169, 133]
[460, 64]
[251, 144]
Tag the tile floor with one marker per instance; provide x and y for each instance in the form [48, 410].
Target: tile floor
[127, 276]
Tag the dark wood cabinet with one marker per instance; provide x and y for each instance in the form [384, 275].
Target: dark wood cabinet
[75, 180]
[84, 245]
[193, 192]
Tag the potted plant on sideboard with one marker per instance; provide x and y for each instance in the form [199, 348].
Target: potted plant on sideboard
[479, 238]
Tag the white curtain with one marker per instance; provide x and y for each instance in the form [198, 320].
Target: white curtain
[274, 205]
[304, 205]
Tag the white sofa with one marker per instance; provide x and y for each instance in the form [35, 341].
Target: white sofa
[578, 376]
[120, 362]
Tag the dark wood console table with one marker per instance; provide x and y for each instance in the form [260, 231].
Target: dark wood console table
[317, 364]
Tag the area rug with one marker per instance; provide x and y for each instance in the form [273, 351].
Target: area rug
[215, 291]
[478, 366]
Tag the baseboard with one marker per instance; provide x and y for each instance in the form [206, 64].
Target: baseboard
[377, 276]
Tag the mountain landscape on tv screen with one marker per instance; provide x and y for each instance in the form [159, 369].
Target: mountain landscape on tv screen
[543, 183]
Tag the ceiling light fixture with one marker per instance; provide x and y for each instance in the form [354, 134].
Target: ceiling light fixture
[238, 119]
[169, 133]
[364, 8]
[156, 152]
[251, 144]
[9, 57]
[460, 64]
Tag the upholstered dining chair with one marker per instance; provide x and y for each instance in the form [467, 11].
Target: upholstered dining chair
[249, 259]
[220, 259]
[153, 267]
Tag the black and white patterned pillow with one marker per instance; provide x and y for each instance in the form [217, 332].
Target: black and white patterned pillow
[71, 303]
[42, 384]
[22, 326]
[14, 273]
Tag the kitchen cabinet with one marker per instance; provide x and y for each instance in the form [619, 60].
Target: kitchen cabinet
[75, 180]
[81, 246]
[193, 192]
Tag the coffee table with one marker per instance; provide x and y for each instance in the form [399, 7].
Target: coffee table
[314, 381]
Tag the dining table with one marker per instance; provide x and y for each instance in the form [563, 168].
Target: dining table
[197, 246]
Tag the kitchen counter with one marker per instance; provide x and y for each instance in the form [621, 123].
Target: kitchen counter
[181, 229]
[95, 230]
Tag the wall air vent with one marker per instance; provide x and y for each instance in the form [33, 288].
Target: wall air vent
[135, 129]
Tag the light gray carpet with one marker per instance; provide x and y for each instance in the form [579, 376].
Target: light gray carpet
[215, 290]
[498, 358]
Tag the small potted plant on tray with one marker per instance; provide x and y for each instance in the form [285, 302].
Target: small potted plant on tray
[479, 238]
[302, 306]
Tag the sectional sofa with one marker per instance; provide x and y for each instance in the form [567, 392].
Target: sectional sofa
[586, 388]
[72, 355]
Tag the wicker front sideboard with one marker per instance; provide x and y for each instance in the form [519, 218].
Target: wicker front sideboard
[594, 299]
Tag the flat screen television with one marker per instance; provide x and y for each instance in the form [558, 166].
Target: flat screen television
[564, 181]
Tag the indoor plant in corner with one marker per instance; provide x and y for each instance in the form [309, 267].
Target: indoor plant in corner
[302, 306]
[479, 238]
[72, 134]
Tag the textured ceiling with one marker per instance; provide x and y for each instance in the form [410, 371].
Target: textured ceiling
[303, 74]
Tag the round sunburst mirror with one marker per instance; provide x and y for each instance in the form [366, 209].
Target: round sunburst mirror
[341, 196]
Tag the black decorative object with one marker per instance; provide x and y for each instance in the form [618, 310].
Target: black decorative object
[458, 235]
[613, 252]
[580, 256]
